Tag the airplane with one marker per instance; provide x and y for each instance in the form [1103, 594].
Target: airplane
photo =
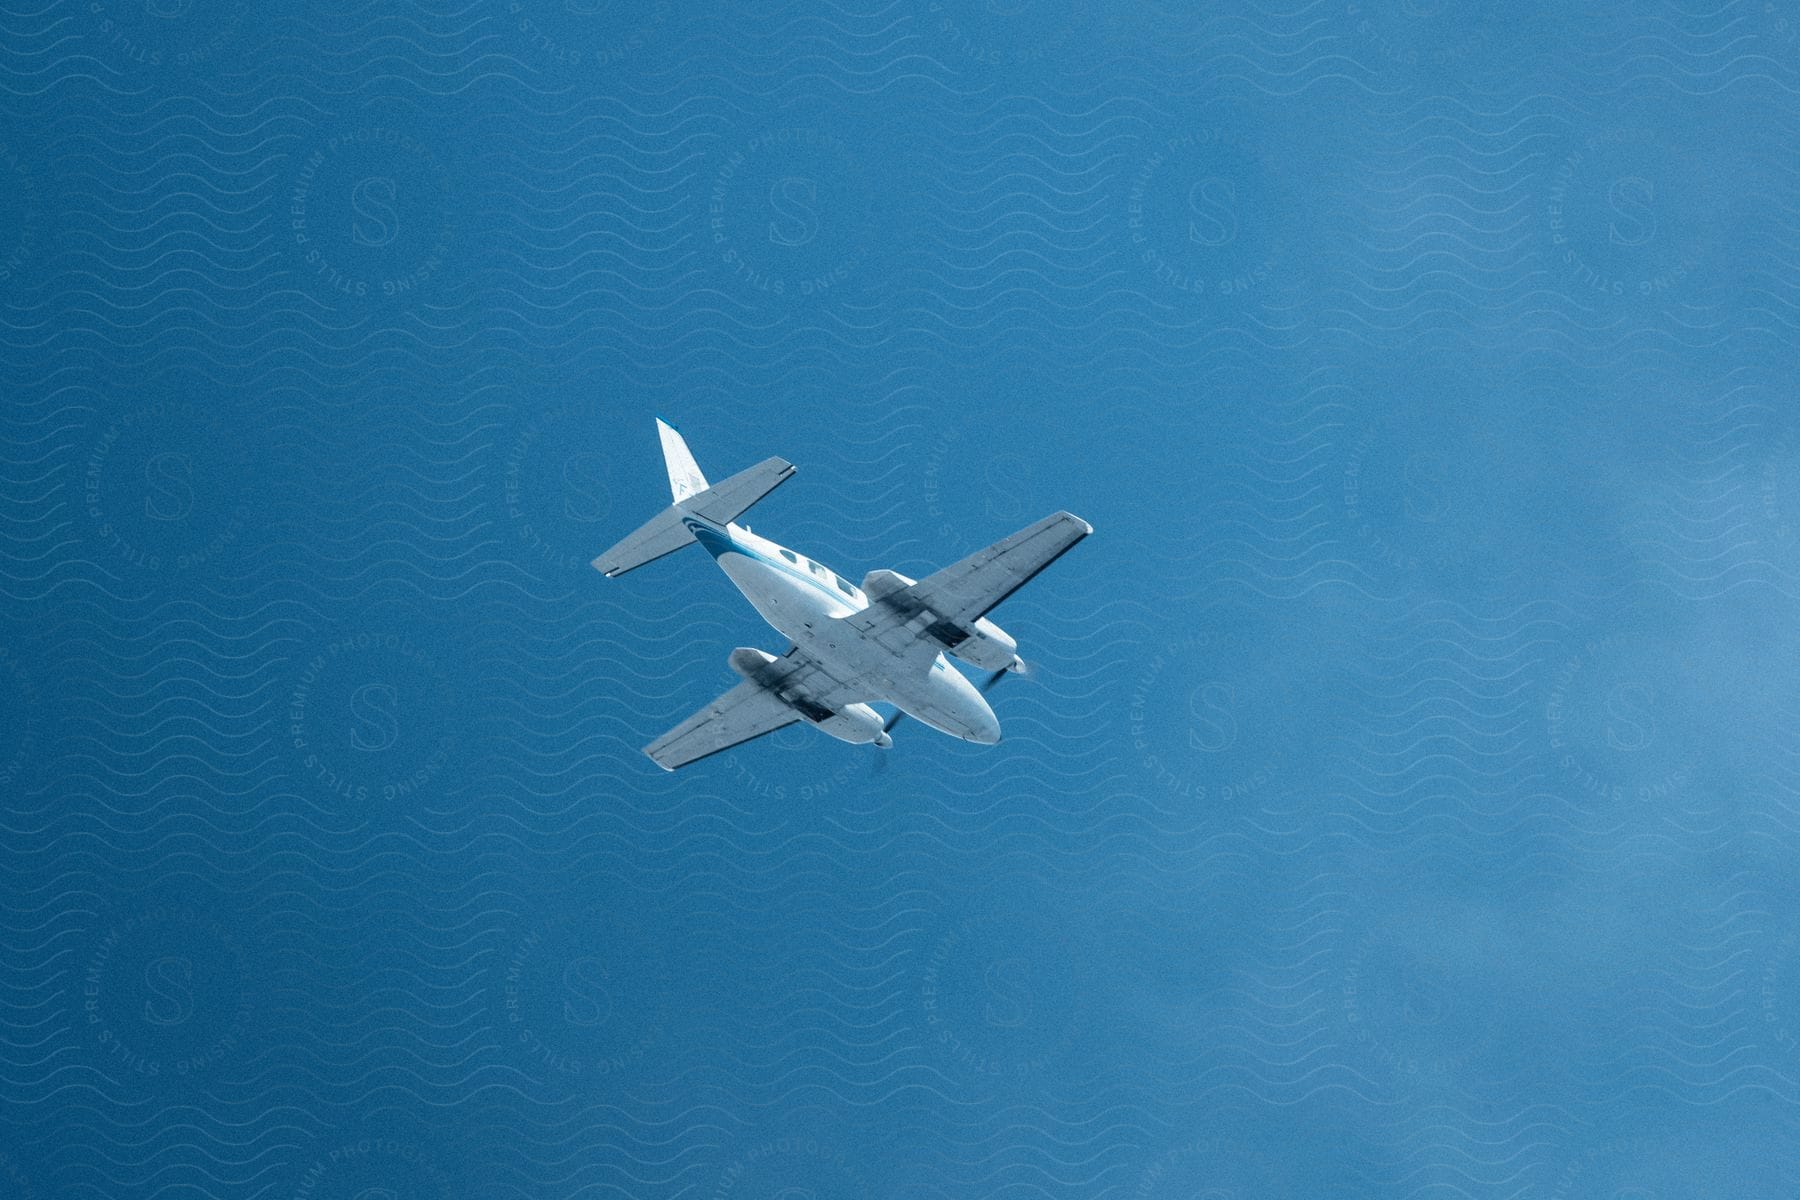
[883, 642]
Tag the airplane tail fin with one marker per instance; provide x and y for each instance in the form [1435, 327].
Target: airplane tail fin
[716, 504]
[685, 478]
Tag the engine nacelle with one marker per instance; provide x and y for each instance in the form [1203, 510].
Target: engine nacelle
[879, 585]
[987, 646]
[857, 724]
[750, 662]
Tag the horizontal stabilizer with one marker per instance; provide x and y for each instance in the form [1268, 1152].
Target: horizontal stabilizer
[662, 534]
[730, 499]
[719, 504]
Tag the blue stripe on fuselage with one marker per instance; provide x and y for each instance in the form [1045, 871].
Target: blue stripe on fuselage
[717, 543]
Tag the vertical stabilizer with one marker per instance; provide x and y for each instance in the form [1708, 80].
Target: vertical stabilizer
[685, 478]
[696, 501]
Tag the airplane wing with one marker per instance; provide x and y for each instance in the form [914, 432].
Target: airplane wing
[963, 593]
[747, 711]
[775, 693]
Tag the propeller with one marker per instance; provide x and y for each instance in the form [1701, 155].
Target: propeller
[1018, 666]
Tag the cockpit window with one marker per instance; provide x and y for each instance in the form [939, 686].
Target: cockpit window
[846, 588]
[789, 555]
[816, 568]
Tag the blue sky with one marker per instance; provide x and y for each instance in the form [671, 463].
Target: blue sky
[1405, 801]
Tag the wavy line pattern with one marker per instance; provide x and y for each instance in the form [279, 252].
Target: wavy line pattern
[1405, 804]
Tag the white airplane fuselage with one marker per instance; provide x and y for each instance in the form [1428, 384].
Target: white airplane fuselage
[805, 602]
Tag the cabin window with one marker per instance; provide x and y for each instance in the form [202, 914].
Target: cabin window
[789, 555]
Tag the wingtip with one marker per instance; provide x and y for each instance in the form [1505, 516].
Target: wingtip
[1085, 527]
